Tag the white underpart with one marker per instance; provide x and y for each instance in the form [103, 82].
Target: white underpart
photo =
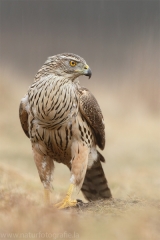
[72, 179]
[25, 102]
[92, 157]
[44, 165]
[48, 77]
[44, 184]
[34, 110]
[35, 121]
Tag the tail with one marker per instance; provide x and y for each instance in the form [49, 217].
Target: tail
[95, 185]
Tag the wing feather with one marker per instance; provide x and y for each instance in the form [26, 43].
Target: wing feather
[23, 115]
[91, 111]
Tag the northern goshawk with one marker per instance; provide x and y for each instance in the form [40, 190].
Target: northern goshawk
[65, 124]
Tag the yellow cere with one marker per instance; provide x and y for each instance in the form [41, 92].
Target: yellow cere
[86, 66]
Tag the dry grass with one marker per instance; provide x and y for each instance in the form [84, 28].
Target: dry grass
[132, 168]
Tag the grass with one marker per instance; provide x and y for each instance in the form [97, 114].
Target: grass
[132, 168]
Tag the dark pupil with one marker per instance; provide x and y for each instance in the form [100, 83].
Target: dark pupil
[72, 63]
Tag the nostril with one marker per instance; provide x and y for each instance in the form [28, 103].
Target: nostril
[86, 66]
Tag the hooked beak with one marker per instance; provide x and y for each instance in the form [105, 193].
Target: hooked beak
[87, 71]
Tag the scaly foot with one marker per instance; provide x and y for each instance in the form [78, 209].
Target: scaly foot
[66, 203]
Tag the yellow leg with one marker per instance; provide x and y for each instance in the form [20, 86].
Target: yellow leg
[46, 196]
[67, 202]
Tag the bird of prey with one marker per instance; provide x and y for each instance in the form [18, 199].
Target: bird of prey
[65, 124]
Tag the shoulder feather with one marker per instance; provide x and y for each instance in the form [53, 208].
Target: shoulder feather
[91, 111]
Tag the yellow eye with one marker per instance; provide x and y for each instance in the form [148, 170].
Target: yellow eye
[72, 63]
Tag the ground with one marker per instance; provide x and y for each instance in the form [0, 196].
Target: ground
[132, 168]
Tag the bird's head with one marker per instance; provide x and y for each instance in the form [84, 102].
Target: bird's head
[68, 65]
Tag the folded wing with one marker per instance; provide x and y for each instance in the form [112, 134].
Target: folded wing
[91, 111]
[23, 115]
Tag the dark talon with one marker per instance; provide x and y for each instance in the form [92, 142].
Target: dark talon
[79, 202]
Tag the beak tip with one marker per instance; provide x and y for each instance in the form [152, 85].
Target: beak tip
[88, 73]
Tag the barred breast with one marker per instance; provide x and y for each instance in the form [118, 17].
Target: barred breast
[53, 102]
[54, 118]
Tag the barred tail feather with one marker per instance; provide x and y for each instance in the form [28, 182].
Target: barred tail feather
[95, 185]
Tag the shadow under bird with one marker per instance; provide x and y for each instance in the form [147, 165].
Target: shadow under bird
[65, 124]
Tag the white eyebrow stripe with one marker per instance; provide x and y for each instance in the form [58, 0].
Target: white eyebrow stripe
[71, 58]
